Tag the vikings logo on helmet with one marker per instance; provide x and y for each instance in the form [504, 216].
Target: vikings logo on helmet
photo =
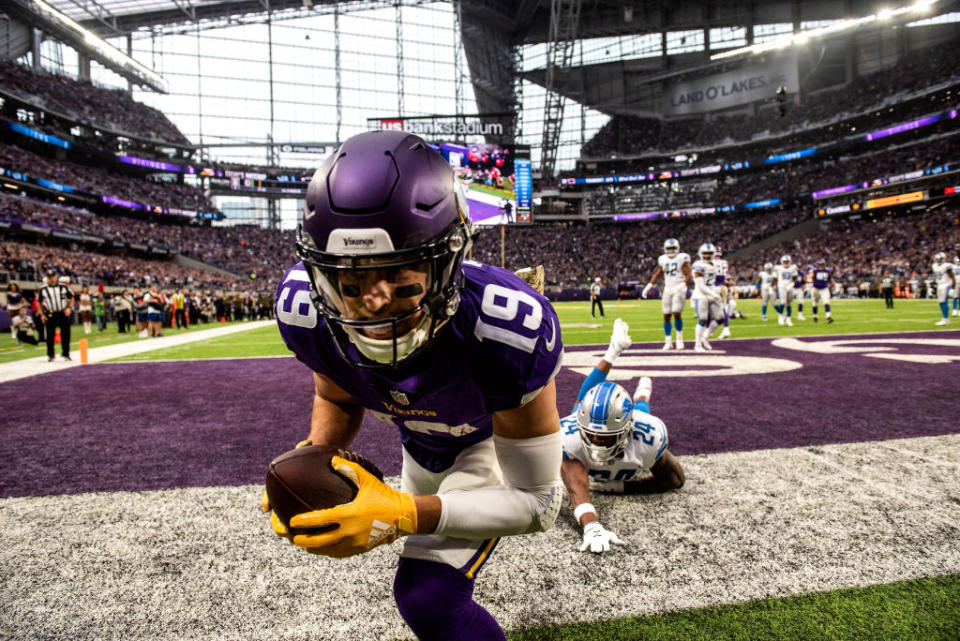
[671, 247]
[604, 419]
[384, 214]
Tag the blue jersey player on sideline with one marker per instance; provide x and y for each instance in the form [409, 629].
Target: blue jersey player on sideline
[612, 443]
[458, 356]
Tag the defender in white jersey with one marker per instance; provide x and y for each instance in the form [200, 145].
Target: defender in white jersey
[706, 299]
[945, 274]
[768, 292]
[723, 288]
[786, 274]
[674, 267]
[956, 274]
[612, 443]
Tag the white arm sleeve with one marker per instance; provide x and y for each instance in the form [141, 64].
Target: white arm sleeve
[528, 502]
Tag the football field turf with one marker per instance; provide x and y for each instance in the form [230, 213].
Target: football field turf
[578, 328]
[822, 497]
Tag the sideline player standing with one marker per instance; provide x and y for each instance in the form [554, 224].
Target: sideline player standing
[767, 292]
[822, 278]
[799, 284]
[674, 267]
[705, 298]
[786, 275]
[945, 275]
[595, 301]
[613, 444]
[459, 356]
[723, 269]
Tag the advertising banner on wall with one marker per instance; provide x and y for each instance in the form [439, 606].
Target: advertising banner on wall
[752, 82]
[437, 128]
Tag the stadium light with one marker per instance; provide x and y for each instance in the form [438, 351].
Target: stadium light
[803, 37]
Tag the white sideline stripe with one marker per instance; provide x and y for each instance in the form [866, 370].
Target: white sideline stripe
[203, 562]
[39, 365]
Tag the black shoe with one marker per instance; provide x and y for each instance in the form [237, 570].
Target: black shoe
[829, 319]
[50, 359]
[66, 357]
[814, 319]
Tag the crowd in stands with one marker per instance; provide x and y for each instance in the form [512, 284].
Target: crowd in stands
[29, 261]
[633, 135]
[111, 109]
[857, 249]
[242, 250]
[104, 182]
[574, 254]
[776, 182]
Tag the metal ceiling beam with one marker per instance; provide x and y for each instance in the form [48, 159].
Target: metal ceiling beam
[564, 16]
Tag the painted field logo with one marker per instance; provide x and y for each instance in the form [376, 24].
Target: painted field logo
[633, 364]
[918, 350]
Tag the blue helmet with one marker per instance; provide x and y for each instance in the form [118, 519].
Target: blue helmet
[384, 222]
[604, 419]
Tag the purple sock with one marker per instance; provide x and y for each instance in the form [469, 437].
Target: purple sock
[436, 601]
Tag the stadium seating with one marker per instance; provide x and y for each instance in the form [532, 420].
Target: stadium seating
[111, 109]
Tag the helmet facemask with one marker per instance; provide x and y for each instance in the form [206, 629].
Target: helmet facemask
[671, 247]
[418, 289]
[604, 421]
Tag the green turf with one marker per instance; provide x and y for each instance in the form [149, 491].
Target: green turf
[10, 351]
[854, 316]
[923, 609]
[646, 324]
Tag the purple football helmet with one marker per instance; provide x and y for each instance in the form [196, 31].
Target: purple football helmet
[384, 233]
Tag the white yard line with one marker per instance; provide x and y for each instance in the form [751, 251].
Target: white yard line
[203, 563]
[39, 365]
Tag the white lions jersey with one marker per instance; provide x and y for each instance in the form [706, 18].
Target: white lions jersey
[785, 275]
[766, 279]
[647, 443]
[673, 269]
[942, 272]
[709, 272]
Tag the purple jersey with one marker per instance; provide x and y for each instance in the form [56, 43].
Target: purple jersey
[821, 277]
[502, 347]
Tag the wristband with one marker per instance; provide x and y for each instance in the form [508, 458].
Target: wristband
[582, 509]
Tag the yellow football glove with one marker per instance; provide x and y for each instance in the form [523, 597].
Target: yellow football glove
[378, 515]
[278, 527]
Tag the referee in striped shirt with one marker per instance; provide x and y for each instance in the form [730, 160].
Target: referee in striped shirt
[56, 305]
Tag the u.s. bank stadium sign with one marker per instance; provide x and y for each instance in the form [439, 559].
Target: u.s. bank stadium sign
[750, 83]
[440, 125]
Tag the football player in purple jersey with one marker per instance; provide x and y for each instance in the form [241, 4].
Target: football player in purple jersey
[821, 278]
[458, 356]
[612, 443]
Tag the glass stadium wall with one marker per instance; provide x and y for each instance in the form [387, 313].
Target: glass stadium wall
[227, 96]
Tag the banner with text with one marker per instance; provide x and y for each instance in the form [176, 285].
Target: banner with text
[720, 91]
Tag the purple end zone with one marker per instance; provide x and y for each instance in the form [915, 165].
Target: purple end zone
[144, 426]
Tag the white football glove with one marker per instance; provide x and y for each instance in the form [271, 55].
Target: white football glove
[598, 539]
[646, 290]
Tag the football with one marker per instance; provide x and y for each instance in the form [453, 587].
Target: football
[303, 480]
